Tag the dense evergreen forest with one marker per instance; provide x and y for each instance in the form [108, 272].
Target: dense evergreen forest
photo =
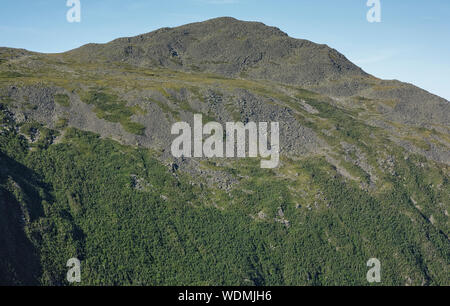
[132, 220]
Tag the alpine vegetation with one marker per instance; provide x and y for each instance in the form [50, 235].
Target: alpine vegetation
[235, 140]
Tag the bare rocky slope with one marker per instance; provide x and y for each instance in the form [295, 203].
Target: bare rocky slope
[252, 50]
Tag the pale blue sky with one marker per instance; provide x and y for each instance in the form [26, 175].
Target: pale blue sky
[411, 44]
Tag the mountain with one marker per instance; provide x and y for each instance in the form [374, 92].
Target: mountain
[252, 50]
[87, 169]
[230, 48]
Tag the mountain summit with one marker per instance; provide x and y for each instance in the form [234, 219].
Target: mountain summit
[252, 50]
[229, 47]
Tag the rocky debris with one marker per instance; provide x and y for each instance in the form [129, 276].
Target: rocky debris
[285, 222]
[341, 170]
[432, 220]
[281, 218]
[38, 100]
[354, 155]
[388, 164]
[139, 183]
[439, 154]
[261, 215]
[308, 107]
[280, 212]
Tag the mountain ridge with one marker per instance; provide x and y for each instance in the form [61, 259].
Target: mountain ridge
[252, 50]
[225, 46]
